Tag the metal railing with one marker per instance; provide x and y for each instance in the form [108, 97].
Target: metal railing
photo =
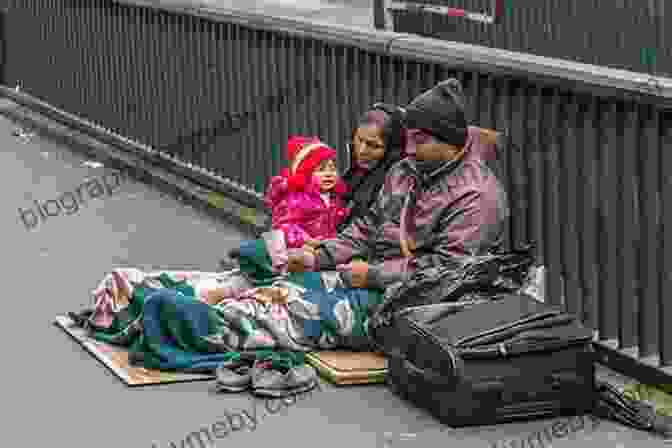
[627, 34]
[588, 169]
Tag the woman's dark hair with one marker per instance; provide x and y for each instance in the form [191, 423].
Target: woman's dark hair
[365, 186]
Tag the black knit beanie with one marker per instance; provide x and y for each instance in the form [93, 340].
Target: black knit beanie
[440, 111]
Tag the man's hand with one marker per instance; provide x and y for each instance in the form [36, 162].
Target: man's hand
[359, 273]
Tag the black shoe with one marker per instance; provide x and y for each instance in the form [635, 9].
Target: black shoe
[234, 253]
[80, 318]
[226, 264]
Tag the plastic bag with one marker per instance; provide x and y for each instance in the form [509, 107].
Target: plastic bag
[469, 278]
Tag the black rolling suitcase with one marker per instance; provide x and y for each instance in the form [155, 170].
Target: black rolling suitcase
[489, 362]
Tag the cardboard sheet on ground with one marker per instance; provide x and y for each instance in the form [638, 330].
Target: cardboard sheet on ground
[116, 359]
[345, 368]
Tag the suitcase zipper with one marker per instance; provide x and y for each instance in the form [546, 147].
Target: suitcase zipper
[504, 350]
[536, 317]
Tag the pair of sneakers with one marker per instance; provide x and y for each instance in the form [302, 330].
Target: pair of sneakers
[265, 376]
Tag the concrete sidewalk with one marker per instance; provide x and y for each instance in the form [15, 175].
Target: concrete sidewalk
[61, 396]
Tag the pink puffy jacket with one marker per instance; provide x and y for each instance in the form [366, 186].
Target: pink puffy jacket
[301, 215]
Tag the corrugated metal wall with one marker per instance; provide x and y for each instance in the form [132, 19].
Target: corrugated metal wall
[589, 181]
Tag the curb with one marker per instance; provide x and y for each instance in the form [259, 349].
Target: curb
[165, 178]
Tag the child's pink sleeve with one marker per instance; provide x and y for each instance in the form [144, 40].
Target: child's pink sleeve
[277, 190]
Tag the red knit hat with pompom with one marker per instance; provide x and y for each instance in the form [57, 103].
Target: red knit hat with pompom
[304, 155]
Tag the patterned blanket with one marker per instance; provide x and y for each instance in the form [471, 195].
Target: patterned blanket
[166, 324]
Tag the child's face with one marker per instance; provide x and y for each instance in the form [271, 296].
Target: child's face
[327, 175]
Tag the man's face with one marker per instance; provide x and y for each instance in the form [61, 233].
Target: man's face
[424, 147]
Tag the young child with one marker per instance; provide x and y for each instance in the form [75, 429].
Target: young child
[306, 206]
[306, 198]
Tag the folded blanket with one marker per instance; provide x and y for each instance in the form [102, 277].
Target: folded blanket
[166, 326]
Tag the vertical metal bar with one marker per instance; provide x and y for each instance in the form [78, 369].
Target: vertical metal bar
[27, 68]
[177, 95]
[400, 89]
[101, 78]
[665, 252]
[138, 109]
[379, 84]
[218, 89]
[68, 57]
[417, 80]
[131, 73]
[256, 131]
[355, 83]
[244, 109]
[318, 89]
[191, 87]
[286, 59]
[277, 135]
[570, 208]
[516, 109]
[649, 292]
[166, 75]
[588, 235]
[203, 38]
[508, 98]
[121, 94]
[143, 110]
[608, 224]
[627, 161]
[665, 51]
[94, 80]
[344, 108]
[355, 77]
[271, 143]
[225, 66]
[112, 63]
[553, 239]
[247, 155]
[157, 82]
[234, 103]
[130, 94]
[536, 153]
[135, 120]
[71, 99]
[214, 91]
[83, 31]
[293, 58]
[59, 44]
[252, 110]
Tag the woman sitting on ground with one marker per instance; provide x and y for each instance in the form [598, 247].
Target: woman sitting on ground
[377, 143]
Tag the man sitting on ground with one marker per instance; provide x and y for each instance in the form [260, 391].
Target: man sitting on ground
[438, 203]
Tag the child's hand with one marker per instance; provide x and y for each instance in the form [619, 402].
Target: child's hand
[312, 243]
[300, 260]
[295, 263]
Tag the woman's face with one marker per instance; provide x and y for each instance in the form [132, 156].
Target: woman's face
[327, 175]
[368, 145]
